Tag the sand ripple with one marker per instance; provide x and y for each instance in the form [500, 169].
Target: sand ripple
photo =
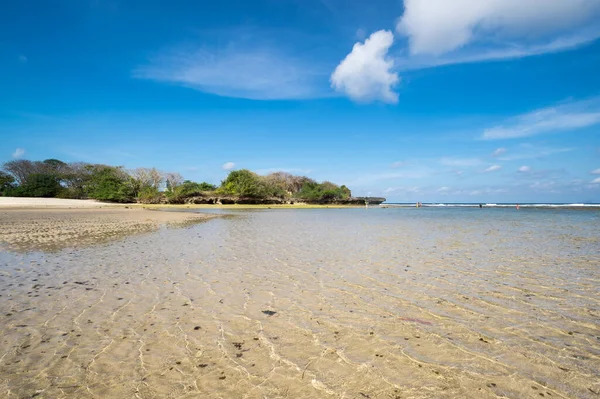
[311, 304]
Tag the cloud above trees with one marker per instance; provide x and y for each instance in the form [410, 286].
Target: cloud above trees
[19, 152]
[228, 165]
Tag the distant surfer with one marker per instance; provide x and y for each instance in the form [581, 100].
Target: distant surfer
[481, 205]
[517, 207]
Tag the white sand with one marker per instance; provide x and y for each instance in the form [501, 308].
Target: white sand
[20, 202]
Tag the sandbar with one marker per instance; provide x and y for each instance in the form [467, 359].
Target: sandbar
[57, 228]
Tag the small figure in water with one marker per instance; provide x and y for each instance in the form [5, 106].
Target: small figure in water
[517, 207]
[480, 205]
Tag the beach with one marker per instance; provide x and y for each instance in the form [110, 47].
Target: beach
[68, 223]
[301, 303]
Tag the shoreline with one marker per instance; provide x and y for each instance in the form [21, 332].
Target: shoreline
[57, 203]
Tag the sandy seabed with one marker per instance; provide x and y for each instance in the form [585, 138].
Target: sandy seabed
[348, 303]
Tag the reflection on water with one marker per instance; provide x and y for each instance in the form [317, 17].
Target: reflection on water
[378, 303]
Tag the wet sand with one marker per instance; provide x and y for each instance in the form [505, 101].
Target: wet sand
[311, 304]
[57, 228]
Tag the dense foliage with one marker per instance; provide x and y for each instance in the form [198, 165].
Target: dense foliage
[7, 182]
[55, 178]
[109, 183]
[39, 185]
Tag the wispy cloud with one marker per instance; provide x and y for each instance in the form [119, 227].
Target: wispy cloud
[243, 70]
[448, 161]
[595, 172]
[544, 186]
[366, 73]
[596, 181]
[369, 178]
[528, 151]
[22, 59]
[19, 152]
[498, 152]
[398, 164]
[406, 190]
[511, 51]
[228, 165]
[525, 169]
[564, 117]
[493, 168]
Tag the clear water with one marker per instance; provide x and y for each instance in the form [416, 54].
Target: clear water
[349, 303]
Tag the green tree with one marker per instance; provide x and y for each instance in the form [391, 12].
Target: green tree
[322, 192]
[243, 183]
[109, 183]
[345, 192]
[39, 185]
[76, 178]
[6, 183]
[53, 166]
[189, 188]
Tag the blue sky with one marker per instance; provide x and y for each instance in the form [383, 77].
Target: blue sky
[421, 100]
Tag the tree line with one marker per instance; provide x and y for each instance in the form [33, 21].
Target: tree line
[55, 178]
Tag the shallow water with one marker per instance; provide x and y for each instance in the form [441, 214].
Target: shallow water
[350, 303]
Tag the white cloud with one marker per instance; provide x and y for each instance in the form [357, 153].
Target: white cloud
[525, 169]
[595, 172]
[19, 152]
[596, 181]
[440, 26]
[228, 165]
[514, 50]
[242, 71]
[23, 59]
[366, 73]
[543, 185]
[369, 178]
[449, 161]
[528, 151]
[498, 152]
[443, 189]
[493, 168]
[562, 117]
[398, 164]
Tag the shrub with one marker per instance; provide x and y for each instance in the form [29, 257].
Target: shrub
[149, 195]
[243, 183]
[6, 183]
[39, 185]
[108, 183]
[322, 192]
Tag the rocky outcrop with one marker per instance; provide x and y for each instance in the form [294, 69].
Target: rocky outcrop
[209, 199]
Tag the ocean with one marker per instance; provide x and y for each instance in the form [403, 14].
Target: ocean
[397, 302]
[562, 205]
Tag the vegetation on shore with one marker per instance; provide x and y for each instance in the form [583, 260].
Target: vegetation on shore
[58, 179]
